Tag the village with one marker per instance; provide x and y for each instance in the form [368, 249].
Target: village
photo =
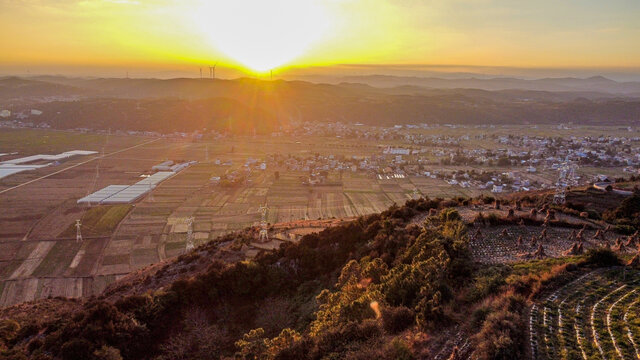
[486, 158]
[492, 163]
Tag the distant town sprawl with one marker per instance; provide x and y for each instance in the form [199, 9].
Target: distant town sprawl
[483, 157]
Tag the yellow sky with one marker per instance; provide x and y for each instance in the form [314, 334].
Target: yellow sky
[261, 34]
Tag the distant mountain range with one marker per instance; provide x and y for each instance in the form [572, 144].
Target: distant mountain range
[250, 104]
[569, 84]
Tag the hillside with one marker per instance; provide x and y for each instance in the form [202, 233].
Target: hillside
[154, 105]
[595, 83]
[427, 280]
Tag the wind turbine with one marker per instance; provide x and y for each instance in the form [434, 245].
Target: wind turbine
[213, 70]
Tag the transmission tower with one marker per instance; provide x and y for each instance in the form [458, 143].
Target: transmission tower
[78, 233]
[190, 245]
[567, 177]
[264, 228]
[416, 194]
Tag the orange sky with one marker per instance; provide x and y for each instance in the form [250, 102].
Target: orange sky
[257, 35]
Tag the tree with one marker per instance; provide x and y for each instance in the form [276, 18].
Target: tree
[107, 353]
[253, 345]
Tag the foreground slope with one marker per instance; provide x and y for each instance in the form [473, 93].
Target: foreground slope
[406, 283]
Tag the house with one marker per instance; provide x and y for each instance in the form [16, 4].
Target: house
[497, 189]
[603, 178]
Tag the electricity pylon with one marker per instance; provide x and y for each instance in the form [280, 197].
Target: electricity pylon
[78, 233]
[264, 228]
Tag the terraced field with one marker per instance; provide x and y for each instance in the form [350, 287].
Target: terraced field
[592, 317]
[499, 244]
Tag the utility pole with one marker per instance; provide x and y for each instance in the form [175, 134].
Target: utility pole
[190, 245]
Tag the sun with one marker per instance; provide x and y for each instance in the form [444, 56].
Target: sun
[261, 34]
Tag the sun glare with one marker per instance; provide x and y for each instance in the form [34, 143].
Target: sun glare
[262, 35]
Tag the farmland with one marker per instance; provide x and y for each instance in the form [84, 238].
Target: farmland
[39, 253]
[594, 316]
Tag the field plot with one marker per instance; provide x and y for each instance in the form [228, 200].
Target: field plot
[37, 237]
[363, 203]
[592, 317]
[500, 244]
[138, 239]
[99, 220]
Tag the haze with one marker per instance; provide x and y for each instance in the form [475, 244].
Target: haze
[94, 37]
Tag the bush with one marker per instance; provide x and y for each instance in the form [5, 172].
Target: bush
[449, 215]
[624, 229]
[337, 340]
[77, 349]
[396, 319]
[488, 199]
[602, 258]
[493, 219]
[399, 350]
[502, 337]
[8, 330]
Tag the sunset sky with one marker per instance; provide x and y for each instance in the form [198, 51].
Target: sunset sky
[258, 35]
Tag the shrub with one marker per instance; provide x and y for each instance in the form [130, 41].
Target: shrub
[501, 337]
[493, 219]
[396, 319]
[399, 350]
[107, 353]
[602, 258]
[449, 215]
[338, 339]
[488, 199]
[8, 330]
[77, 349]
[624, 229]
